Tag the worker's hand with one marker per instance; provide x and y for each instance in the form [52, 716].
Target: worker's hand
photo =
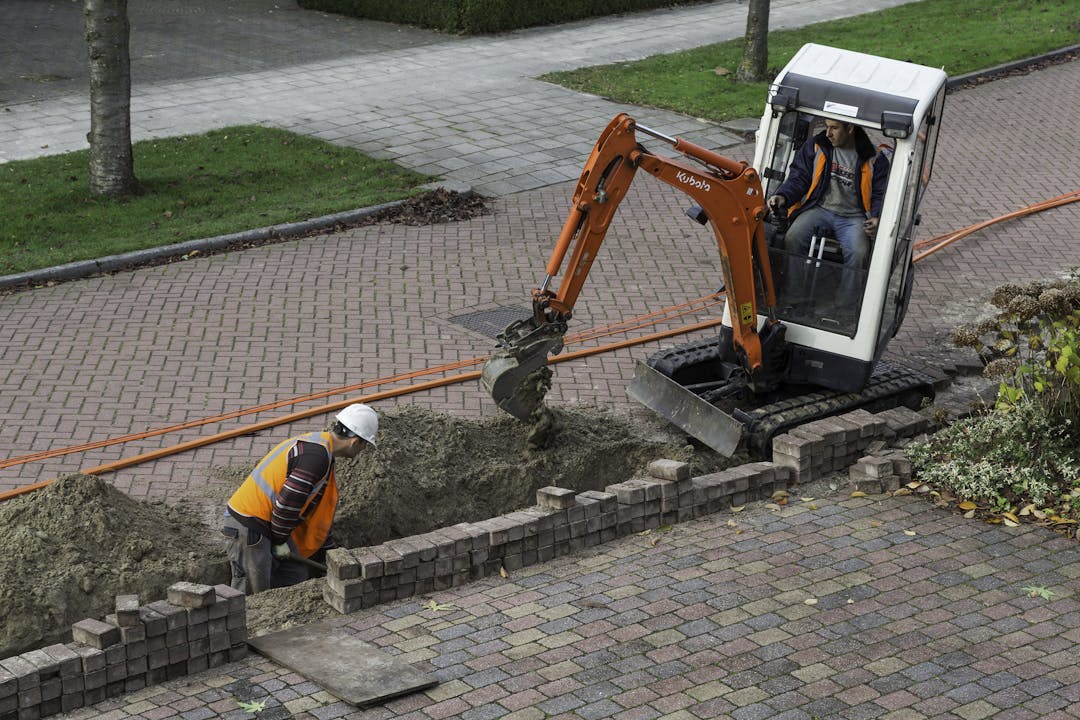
[282, 551]
[870, 226]
[777, 202]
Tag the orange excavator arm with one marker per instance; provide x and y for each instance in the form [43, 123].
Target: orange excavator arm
[730, 195]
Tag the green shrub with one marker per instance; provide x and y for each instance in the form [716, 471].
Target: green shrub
[1005, 460]
[483, 16]
[1033, 347]
[1023, 456]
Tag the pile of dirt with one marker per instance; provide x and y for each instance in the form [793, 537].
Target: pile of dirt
[434, 207]
[69, 549]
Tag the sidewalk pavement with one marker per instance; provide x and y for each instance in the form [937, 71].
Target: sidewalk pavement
[712, 621]
[466, 109]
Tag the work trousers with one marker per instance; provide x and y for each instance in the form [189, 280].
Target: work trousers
[848, 231]
[251, 559]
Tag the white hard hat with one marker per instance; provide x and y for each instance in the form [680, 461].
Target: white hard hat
[361, 420]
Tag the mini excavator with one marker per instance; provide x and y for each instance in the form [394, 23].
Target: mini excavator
[790, 348]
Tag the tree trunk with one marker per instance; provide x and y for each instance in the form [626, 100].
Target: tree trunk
[755, 61]
[111, 166]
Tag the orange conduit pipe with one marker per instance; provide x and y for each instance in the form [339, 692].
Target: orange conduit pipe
[337, 405]
[636, 323]
[942, 241]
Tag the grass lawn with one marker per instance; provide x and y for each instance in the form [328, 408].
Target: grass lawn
[193, 186]
[959, 35]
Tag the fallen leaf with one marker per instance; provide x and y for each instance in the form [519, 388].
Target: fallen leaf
[1010, 516]
[721, 71]
[810, 601]
[969, 514]
[1027, 509]
[772, 506]
[902, 491]
[254, 707]
[738, 509]
[914, 484]
[653, 541]
[858, 493]
[806, 499]
[909, 532]
[436, 607]
[1038, 591]
[780, 494]
[967, 505]
[850, 601]
[502, 572]
[1010, 523]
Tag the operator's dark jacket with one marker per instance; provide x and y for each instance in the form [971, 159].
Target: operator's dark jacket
[811, 170]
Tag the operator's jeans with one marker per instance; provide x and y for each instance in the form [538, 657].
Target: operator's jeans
[254, 567]
[848, 231]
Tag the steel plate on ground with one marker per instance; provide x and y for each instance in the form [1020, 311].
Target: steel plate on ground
[671, 401]
[346, 667]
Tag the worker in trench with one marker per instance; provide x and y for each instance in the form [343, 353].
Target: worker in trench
[278, 523]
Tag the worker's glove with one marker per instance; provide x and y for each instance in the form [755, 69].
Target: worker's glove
[282, 551]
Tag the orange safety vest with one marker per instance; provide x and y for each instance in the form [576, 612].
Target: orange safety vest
[255, 496]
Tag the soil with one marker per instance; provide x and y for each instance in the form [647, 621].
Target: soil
[69, 549]
[76, 544]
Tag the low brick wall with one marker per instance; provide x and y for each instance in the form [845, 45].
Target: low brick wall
[195, 628]
[563, 522]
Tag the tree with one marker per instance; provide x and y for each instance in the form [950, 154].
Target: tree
[112, 169]
[755, 61]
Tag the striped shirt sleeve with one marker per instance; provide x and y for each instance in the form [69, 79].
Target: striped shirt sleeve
[309, 466]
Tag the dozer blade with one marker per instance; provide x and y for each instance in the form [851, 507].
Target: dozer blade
[671, 401]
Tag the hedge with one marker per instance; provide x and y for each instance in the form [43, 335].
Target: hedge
[472, 17]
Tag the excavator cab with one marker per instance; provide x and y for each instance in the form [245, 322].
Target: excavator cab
[840, 317]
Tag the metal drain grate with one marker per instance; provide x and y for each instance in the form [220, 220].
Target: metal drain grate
[491, 322]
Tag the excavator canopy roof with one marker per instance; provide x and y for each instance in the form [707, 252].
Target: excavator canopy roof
[890, 94]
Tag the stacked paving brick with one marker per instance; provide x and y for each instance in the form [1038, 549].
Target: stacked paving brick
[561, 523]
[564, 522]
[195, 628]
[834, 444]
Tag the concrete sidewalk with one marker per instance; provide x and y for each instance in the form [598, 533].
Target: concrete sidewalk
[466, 109]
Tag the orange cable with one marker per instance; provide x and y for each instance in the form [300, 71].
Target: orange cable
[330, 407]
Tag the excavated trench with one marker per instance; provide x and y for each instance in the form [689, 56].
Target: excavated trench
[79, 542]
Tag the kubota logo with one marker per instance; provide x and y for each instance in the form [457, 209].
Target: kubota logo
[692, 181]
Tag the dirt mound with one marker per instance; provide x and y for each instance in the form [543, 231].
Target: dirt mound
[69, 549]
[431, 470]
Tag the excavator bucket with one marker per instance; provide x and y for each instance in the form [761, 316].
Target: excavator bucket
[517, 376]
[671, 401]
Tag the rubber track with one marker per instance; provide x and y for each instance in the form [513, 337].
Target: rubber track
[889, 386]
